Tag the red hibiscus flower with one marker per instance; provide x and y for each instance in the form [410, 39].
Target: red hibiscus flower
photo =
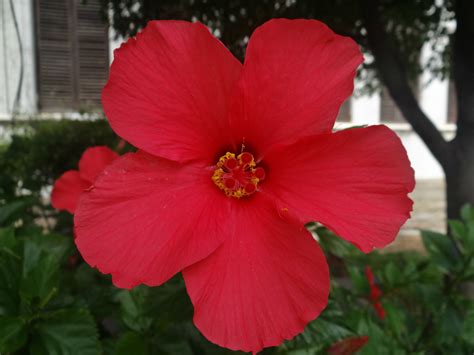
[72, 183]
[234, 160]
[348, 346]
[375, 293]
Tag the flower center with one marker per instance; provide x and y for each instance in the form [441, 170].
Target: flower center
[237, 176]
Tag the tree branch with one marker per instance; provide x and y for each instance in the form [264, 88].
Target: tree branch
[393, 75]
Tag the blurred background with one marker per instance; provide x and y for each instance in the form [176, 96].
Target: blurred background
[418, 78]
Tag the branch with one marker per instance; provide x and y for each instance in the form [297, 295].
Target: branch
[393, 75]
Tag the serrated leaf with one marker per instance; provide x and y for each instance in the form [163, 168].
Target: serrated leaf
[468, 242]
[458, 229]
[7, 239]
[467, 212]
[359, 280]
[379, 342]
[395, 319]
[10, 279]
[134, 308]
[331, 243]
[66, 332]
[318, 335]
[468, 327]
[13, 334]
[41, 281]
[11, 211]
[440, 249]
[131, 343]
[42, 254]
[51, 244]
[391, 274]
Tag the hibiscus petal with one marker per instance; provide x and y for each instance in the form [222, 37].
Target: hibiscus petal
[355, 182]
[169, 89]
[67, 189]
[263, 285]
[296, 75]
[146, 218]
[94, 160]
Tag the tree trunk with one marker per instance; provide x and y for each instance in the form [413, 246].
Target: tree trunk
[460, 177]
[460, 170]
[457, 156]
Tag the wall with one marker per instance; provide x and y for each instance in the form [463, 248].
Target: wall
[10, 58]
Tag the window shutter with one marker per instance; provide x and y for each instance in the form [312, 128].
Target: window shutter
[389, 111]
[93, 53]
[73, 54]
[55, 50]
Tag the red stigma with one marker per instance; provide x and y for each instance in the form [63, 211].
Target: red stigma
[237, 176]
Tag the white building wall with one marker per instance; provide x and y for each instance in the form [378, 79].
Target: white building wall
[10, 59]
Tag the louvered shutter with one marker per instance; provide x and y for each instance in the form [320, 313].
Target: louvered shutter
[55, 49]
[389, 111]
[93, 53]
[73, 59]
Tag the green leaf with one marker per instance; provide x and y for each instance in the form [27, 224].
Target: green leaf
[335, 245]
[468, 327]
[458, 229]
[10, 212]
[41, 282]
[449, 321]
[395, 319]
[52, 244]
[10, 278]
[391, 275]
[170, 302]
[65, 332]
[131, 343]
[7, 239]
[440, 249]
[42, 254]
[379, 342]
[318, 335]
[359, 280]
[467, 212]
[134, 308]
[13, 334]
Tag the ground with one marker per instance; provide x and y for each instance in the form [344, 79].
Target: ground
[428, 213]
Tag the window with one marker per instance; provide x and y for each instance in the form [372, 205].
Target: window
[389, 111]
[72, 54]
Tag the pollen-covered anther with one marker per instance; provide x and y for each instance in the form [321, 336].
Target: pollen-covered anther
[238, 176]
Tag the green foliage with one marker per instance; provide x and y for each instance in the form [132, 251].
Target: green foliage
[13, 333]
[65, 332]
[51, 303]
[42, 150]
[37, 154]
